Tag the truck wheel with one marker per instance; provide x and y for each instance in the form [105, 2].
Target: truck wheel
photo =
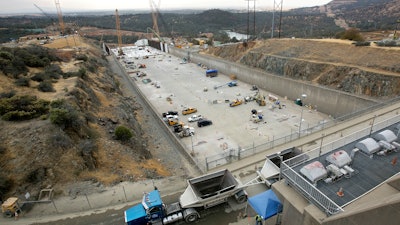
[241, 199]
[8, 214]
[191, 218]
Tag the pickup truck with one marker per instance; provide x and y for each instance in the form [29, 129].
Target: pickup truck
[195, 118]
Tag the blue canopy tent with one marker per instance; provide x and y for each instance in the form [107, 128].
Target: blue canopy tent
[266, 204]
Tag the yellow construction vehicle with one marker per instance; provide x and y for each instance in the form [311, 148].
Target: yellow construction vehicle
[11, 206]
[235, 103]
[260, 99]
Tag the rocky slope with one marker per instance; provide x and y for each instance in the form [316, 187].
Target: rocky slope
[37, 154]
[336, 64]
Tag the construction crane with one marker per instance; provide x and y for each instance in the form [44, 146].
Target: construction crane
[47, 15]
[120, 52]
[60, 17]
[154, 14]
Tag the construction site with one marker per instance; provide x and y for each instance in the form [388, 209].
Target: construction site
[236, 106]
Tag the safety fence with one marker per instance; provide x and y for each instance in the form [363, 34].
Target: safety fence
[309, 190]
[241, 152]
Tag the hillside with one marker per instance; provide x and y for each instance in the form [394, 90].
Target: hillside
[311, 22]
[43, 152]
[371, 71]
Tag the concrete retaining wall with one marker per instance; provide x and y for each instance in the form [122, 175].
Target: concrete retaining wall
[328, 101]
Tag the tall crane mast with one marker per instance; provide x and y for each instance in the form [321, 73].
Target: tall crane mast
[48, 16]
[154, 14]
[120, 52]
[60, 17]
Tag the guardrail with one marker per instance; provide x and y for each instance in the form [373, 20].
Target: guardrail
[242, 152]
[308, 190]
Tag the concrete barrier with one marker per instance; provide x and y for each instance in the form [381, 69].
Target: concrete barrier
[329, 101]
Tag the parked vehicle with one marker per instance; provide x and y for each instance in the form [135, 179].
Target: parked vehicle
[195, 118]
[167, 117]
[186, 131]
[170, 113]
[235, 103]
[211, 73]
[201, 193]
[189, 111]
[202, 123]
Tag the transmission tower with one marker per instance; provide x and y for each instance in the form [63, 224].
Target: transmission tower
[277, 8]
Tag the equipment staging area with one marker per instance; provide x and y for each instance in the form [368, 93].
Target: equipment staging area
[170, 83]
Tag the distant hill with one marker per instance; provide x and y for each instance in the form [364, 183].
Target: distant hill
[311, 22]
[366, 15]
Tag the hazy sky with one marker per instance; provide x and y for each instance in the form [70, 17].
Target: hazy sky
[22, 6]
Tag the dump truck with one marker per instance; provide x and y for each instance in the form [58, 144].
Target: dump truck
[201, 193]
[11, 206]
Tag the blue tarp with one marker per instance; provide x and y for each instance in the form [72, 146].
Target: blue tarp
[266, 204]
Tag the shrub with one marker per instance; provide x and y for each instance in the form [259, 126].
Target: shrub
[362, 43]
[82, 57]
[351, 34]
[64, 115]
[23, 81]
[7, 94]
[22, 108]
[46, 86]
[54, 71]
[122, 133]
[39, 77]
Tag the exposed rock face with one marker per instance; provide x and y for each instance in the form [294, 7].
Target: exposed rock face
[339, 65]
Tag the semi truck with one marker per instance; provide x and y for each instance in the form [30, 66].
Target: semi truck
[201, 193]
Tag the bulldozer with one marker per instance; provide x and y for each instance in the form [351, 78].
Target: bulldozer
[11, 206]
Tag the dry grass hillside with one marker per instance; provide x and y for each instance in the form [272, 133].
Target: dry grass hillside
[36, 153]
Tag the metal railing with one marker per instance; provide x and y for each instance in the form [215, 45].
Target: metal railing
[246, 151]
[309, 190]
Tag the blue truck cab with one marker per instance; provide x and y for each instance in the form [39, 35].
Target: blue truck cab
[150, 209]
[211, 73]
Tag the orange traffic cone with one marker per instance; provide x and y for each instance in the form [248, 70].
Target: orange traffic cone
[340, 192]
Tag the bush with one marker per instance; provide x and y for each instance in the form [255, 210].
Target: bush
[351, 34]
[82, 57]
[22, 108]
[54, 71]
[39, 77]
[122, 133]
[362, 43]
[64, 115]
[46, 86]
[7, 94]
[23, 81]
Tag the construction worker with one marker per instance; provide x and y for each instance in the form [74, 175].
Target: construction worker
[258, 220]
